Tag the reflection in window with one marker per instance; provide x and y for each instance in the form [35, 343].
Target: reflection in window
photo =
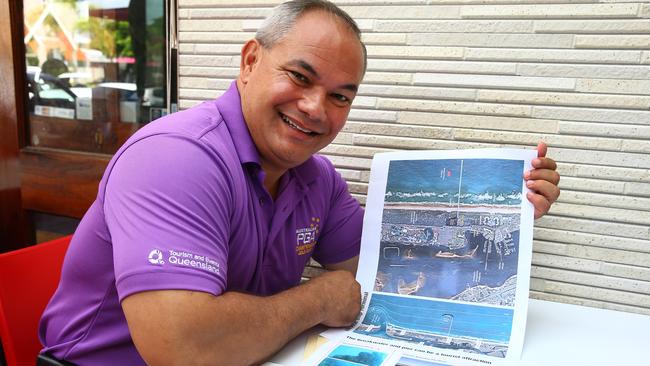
[92, 67]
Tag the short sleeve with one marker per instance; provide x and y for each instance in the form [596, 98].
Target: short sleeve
[340, 238]
[167, 205]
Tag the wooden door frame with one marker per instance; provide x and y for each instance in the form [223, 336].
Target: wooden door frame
[15, 226]
[59, 182]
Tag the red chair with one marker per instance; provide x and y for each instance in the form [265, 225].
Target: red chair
[28, 278]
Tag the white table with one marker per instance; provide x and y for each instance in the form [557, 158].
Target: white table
[561, 334]
[557, 335]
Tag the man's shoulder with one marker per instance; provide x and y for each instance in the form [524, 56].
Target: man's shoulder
[192, 122]
[201, 127]
[193, 139]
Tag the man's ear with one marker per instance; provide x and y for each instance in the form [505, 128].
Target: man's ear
[250, 55]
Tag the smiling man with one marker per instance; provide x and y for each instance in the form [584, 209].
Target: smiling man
[204, 220]
[297, 94]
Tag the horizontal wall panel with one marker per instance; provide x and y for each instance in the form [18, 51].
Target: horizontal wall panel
[588, 279]
[566, 99]
[453, 26]
[384, 39]
[418, 92]
[478, 121]
[590, 26]
[570, 11]
[498, 40]
[594, 226]
[641, 42]
[610, 158]
[627, 271]
[457, 107]
[228, 13]
[589, 292]
[398, 130]
[405, 12]
[603, 129]
[590, 185]
[466, 67]
[215, 72]
[594, 253]
[590, 143]
[602, 213]
[610, 86]
[423, 52]
[371, 78]
[627, 72]
[631, 202]
[541, 62]
[603, 241]
[588, 302]
[495, 81]
[214, 37]
[204, 60]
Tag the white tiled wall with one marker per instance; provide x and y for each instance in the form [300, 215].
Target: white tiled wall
[450, 74]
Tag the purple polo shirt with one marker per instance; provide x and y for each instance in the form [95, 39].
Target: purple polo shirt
[182, 206]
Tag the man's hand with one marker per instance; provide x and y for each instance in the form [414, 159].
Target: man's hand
[341, 297]
[542, 180]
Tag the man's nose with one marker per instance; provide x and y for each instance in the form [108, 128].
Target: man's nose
[312, 104]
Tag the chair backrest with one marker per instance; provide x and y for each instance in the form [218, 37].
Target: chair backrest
[28, 278]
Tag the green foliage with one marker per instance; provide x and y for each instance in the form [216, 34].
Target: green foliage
[110, 37]
[69, 2]
[123, 44]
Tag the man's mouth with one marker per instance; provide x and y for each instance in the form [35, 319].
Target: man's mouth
[296, 127]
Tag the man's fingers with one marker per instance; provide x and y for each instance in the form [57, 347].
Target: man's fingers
[541, 149]
[545, 188]
[541, 204]
[544, 163]
[340, 294]
[548, 175]
[543, 181]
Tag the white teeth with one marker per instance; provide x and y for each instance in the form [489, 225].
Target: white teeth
[293, 125]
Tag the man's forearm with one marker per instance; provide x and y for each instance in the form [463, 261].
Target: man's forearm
[252, 328]
[233, 328]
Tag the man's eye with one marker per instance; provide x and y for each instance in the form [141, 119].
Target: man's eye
[300, 77]
[341, 99]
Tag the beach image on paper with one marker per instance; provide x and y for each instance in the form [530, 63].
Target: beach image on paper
[450, 229]
[447, 325]
[346, 355]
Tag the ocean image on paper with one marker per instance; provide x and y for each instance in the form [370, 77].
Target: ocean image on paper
[447, 325]
[482, 181]
[348, 355]
[450, 230]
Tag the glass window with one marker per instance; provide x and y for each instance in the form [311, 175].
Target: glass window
[96, 71]
[49, 227]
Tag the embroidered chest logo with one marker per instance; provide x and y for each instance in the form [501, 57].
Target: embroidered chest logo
[306, 237]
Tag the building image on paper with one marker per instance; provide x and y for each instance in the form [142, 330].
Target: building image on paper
[450, 230]
[445, 325]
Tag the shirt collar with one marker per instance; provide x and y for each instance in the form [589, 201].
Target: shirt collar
[229, 105]
[307, 172]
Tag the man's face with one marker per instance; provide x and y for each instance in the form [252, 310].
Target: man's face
[297, 95]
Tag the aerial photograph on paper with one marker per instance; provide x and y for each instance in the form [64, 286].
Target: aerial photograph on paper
[349, 355]
[450, 230]
[444, 325]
